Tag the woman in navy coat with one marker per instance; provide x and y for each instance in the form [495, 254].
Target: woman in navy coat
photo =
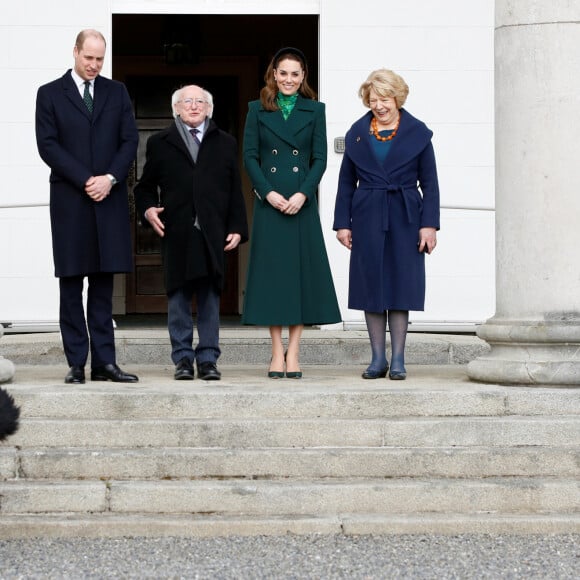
[387, 214]
[289, 282]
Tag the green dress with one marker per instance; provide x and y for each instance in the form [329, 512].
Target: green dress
[288, 280]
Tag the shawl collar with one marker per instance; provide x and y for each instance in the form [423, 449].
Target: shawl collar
[287, 130]
[412, 137]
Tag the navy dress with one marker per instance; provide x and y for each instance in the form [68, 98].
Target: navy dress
[385, 203]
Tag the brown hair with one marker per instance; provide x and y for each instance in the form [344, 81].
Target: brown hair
[270, 89]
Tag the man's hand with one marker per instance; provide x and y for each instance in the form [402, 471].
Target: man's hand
[152, 216]
[98, 187]
[232, 242]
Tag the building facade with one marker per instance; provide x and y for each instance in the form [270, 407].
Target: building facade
[443, 49]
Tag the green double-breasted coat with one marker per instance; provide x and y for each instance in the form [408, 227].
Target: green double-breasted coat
[289, 280]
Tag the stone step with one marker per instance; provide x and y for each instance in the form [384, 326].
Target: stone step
[251, 345]
[240, 433]
[510, 495]
[365, 462]
[199, 525]
[245, 392]
[248, 454]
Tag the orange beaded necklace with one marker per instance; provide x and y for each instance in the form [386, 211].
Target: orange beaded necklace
[375, 130]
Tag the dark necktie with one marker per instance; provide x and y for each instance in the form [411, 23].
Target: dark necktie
[194, 133]
[87, 97]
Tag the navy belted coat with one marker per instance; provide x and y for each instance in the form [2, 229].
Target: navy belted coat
[385, 204]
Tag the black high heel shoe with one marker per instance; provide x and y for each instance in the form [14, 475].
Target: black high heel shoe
[398, 375]
[292, 374]
[276, 374]
[372, 374]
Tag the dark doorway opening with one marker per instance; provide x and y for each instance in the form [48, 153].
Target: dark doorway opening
[155, 54]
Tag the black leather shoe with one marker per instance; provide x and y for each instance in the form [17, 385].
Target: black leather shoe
[75, 376]
[398, 375]
[183, 370]
[112, 372]
[207, 371]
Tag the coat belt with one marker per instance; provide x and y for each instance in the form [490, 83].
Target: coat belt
[407, 194]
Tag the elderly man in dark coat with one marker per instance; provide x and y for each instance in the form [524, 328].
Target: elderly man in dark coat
[191, 194]
[86, 134]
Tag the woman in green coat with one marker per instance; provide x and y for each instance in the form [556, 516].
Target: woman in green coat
[289, 282]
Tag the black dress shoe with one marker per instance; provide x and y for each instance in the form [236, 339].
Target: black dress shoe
[207, 371]
[112, 372]
[183, 370]
[75, 376]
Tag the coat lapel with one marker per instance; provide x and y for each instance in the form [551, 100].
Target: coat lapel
[102, 90]
[412, 137]
[287, 130]
[176, 140]
[71, 92]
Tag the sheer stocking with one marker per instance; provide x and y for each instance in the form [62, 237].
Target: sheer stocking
[377, 329]
[398, 324]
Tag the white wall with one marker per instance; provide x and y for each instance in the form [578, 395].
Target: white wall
[444, 49]
[36, 44]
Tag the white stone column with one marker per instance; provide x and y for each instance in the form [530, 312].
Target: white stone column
[535, 333]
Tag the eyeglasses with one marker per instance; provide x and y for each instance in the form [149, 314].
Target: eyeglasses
[191, 102]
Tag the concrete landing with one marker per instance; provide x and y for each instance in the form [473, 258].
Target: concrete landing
[248, 345]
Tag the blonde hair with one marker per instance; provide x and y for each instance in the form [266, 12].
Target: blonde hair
[385, 83]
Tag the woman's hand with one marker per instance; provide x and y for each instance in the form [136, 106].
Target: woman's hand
[277, 201]
[427, 239]
[344, 236]
[295, 203]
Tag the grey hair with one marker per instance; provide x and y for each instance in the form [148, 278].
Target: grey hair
[175, 98]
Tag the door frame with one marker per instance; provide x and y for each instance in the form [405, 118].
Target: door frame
[245, 69]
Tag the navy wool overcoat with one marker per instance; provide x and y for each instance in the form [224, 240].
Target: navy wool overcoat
[87, 237]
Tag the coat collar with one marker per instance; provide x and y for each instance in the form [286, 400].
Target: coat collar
[300, 117]
[174, 137]
[101, 91]
[412, 137]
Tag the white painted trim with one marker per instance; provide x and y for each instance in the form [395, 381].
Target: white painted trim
[215, 7]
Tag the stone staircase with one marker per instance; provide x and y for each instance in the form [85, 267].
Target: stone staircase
[331, 453]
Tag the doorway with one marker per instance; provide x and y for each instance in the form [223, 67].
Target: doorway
[156, 54]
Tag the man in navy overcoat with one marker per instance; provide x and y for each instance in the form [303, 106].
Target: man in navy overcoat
[86, 134]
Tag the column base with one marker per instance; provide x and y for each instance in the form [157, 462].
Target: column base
[6, 370]
[529, 353]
